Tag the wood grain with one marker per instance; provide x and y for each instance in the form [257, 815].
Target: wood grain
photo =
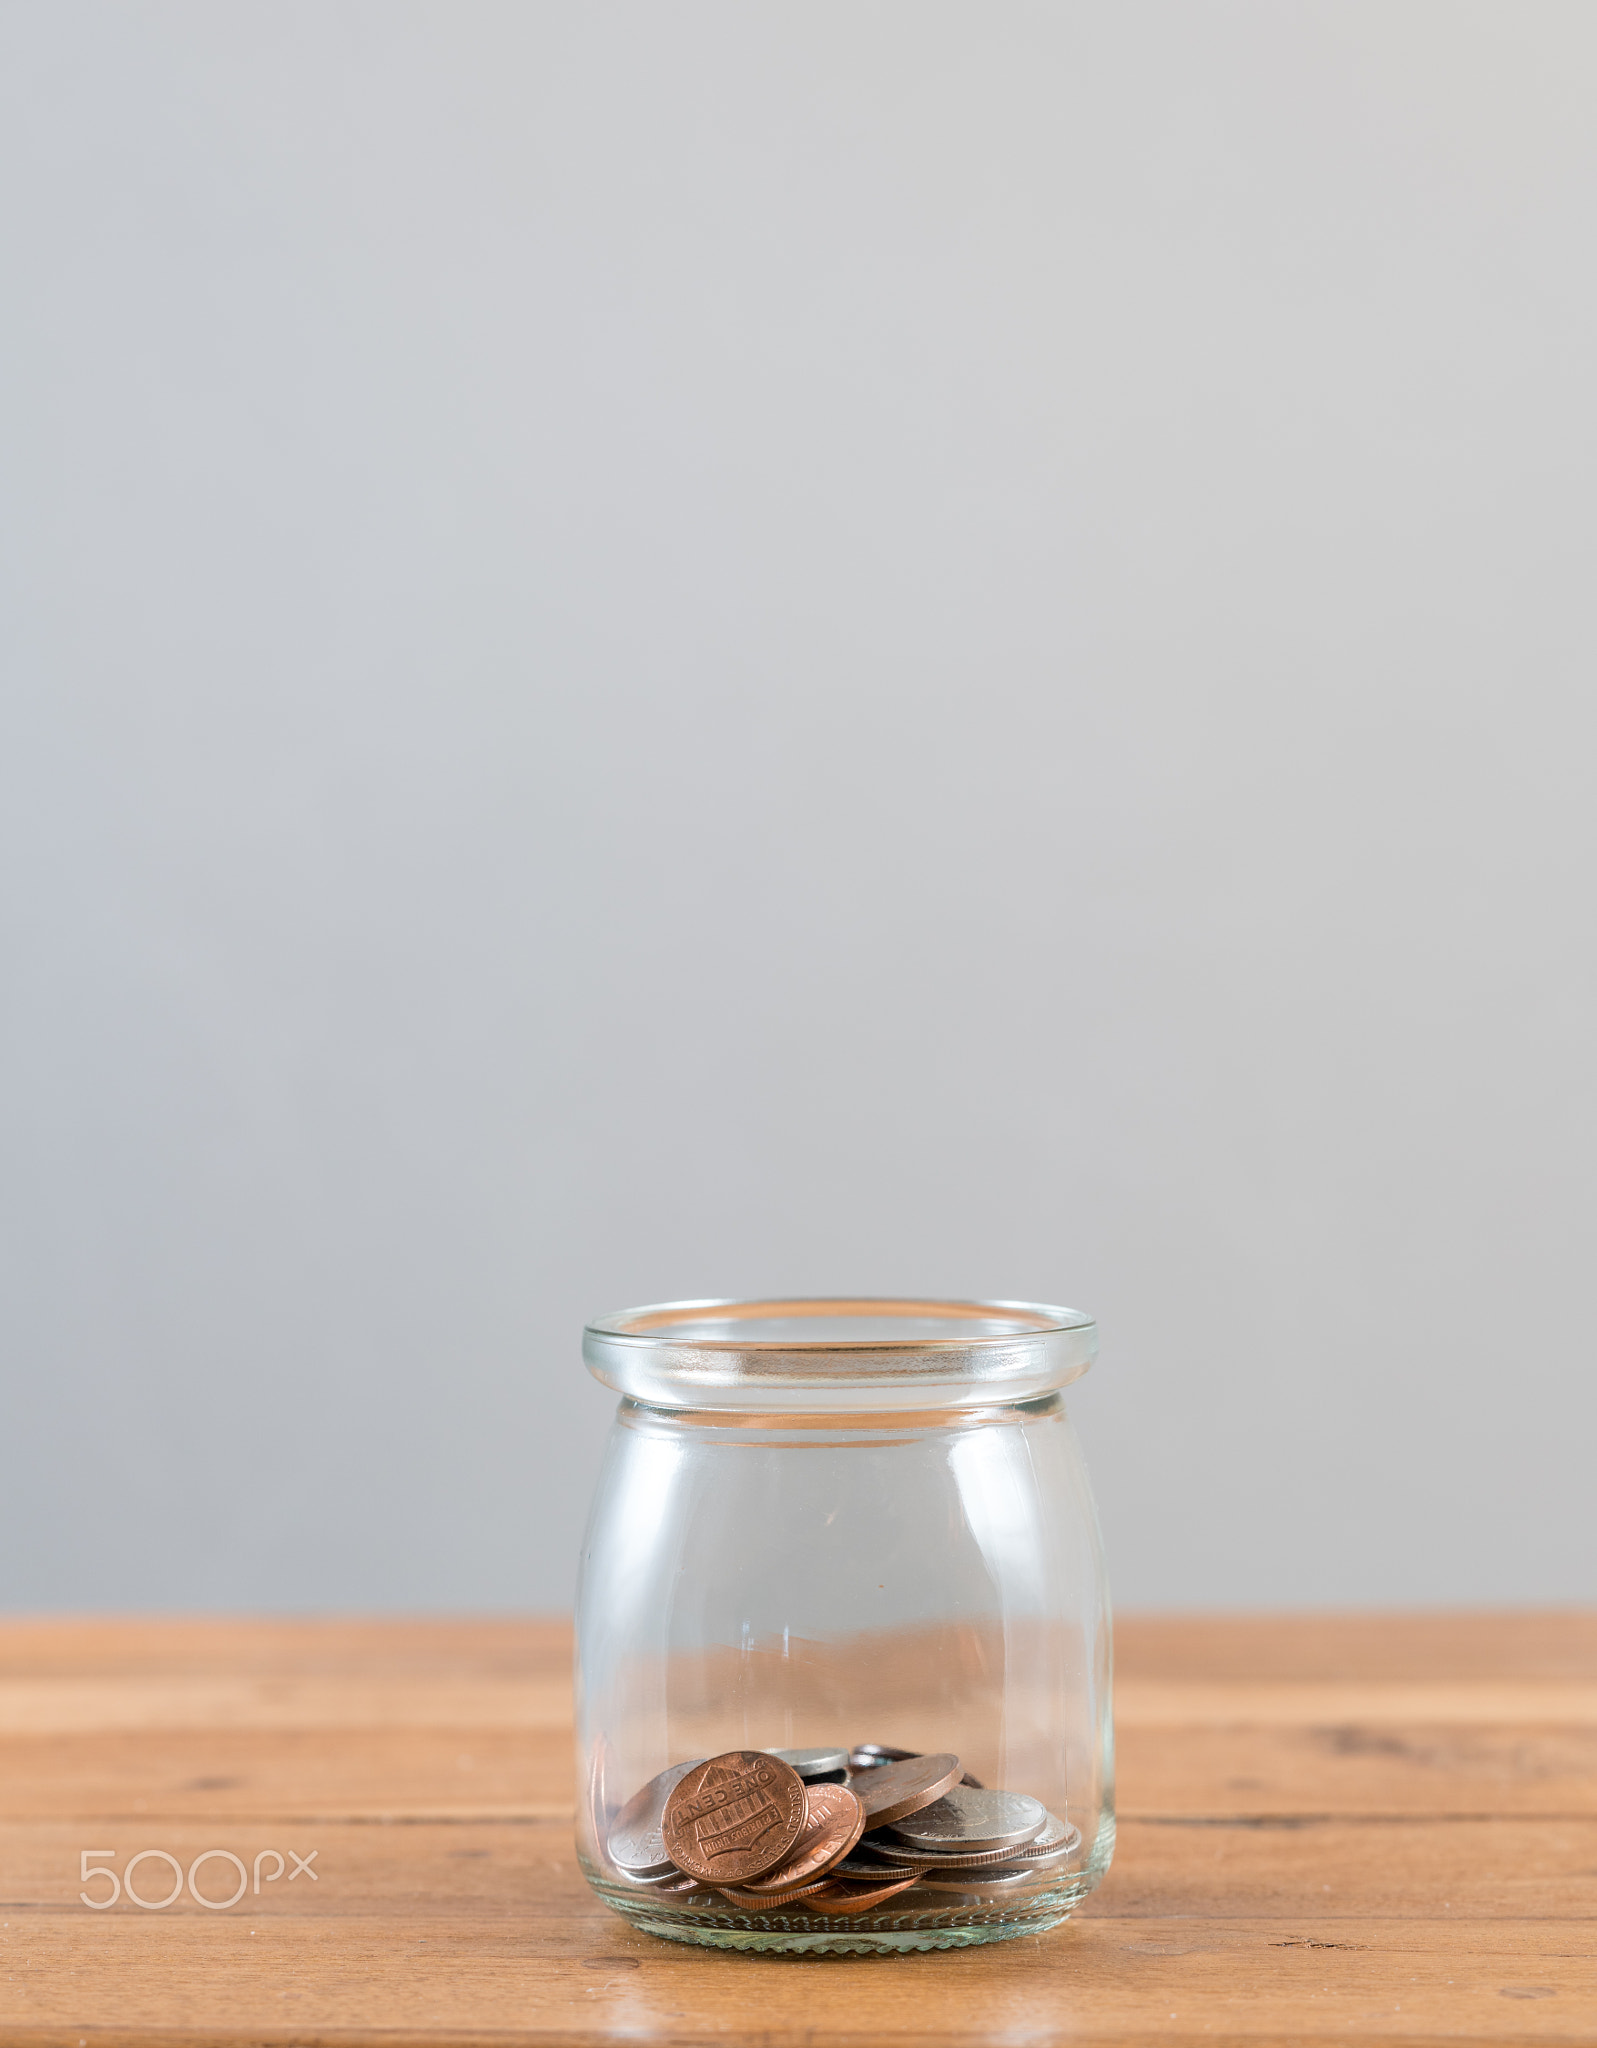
[1365, 1829]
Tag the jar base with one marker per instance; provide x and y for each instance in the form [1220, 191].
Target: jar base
[846, 1940]
[792, 1932]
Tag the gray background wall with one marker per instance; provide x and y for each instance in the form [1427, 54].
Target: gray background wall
[669, 650]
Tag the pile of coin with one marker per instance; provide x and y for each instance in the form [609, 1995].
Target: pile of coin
[832, 1830]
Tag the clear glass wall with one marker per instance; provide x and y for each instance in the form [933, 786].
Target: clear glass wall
[924, 1579]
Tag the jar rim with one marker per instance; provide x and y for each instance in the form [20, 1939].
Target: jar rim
[839, 1352]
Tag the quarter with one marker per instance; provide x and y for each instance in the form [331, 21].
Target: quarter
[970, 1820]
[636, 1843]
[939, 1862]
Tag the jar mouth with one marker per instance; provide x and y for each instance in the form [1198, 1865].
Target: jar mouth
[839, 1352]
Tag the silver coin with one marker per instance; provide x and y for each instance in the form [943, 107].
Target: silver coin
[1053, 1859]
[864, 1755]
[998, 1861]
[899, 1856]
[642, 1870]
[814, 1763]
[668, 1880]
[983, 1881]
[637, 1843]
[1057, 1840]
[966, 1819]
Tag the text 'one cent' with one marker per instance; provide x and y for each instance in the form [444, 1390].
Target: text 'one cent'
[734, 1817]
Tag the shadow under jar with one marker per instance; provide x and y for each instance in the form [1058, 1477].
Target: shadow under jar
[846, 1526]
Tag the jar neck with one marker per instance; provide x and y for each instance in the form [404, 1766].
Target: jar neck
[773, 1425]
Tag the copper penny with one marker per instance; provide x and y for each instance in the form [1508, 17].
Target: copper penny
[735, 1817]
[853, 1898]
[762, 1902]
[834, 1820]
[635, 1842]
[891, 1792]
[866, 1755]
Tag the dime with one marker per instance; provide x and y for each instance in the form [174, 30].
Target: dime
[636, 1844]
[834, 1820]
[891, 1792]
[734, 1817]
[814, 1763]
[968, 1820]
[860, 1865]
[868, 1754]
[833, 1897]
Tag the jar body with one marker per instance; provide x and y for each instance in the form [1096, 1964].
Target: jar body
[926, 1582]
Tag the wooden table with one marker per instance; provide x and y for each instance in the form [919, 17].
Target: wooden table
[1341, 1830]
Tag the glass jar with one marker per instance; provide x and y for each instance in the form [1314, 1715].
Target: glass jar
[853, 1526]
